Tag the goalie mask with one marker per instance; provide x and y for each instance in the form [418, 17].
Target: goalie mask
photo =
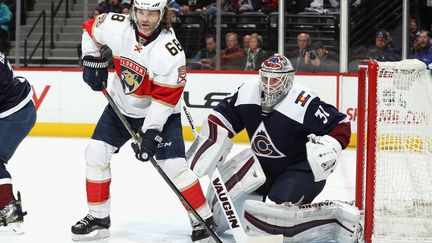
[276, 80]
[148, 5]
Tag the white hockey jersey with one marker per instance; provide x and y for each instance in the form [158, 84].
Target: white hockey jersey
[150, 72]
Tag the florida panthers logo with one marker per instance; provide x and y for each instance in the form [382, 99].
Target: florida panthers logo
[131, 75]
[262, 145]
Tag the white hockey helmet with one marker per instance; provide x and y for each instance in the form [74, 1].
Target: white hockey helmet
[148, 5]
[276, 80]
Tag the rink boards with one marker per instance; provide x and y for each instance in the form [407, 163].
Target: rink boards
[66, 106]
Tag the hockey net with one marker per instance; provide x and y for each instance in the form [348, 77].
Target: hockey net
[394, 151]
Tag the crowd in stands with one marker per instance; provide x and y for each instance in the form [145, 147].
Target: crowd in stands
[309, 56]
[5, 19]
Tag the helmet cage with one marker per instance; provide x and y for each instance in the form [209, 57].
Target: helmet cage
[274, 87]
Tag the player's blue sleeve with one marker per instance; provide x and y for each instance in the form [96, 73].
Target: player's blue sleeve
[321, 118]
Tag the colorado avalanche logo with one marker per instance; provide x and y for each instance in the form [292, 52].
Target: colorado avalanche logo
[262, 144]
[131, 75]
[275, 62]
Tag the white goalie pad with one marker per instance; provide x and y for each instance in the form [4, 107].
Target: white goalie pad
[318, 222]
[241, 174]
[209, 149]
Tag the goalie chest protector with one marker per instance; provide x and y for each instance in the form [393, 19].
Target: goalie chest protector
[279, 138]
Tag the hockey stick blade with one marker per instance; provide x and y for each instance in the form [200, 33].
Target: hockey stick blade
[227, 205]
[135, 136]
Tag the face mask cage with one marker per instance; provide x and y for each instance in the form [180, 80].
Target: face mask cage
[274, 87]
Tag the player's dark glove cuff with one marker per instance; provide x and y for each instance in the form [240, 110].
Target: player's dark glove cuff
[146, 145]
[95, 71]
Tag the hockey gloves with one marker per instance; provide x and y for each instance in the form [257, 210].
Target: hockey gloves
[146, 145]
[322, 154]
[95, 72]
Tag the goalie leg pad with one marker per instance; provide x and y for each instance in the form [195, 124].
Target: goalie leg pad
[98, 177]
[317, 222]
[209, 149]
[242, 175]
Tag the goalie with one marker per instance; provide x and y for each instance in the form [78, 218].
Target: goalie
[295, 142]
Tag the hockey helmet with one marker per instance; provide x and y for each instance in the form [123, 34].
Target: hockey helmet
[148, 5]
[276, 79]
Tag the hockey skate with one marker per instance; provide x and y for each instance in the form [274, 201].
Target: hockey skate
[199, 232]
[91, 228]
[11, 217]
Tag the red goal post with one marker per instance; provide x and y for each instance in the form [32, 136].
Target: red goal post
[394, 151]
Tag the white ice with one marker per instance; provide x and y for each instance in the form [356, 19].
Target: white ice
[50, 174]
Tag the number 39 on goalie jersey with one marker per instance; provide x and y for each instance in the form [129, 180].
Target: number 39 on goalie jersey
[278, 139]
[150, 71]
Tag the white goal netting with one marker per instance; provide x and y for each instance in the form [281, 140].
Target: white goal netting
[403, 158]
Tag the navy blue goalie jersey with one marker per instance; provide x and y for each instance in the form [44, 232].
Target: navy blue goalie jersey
[279, 138]
[15, 92]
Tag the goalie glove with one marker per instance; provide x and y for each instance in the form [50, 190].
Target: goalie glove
[322, 155]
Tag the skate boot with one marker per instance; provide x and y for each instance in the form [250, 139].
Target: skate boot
[11, 217]
[91, 228]
[199, 232]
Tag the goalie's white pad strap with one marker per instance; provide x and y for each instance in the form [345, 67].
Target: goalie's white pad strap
[317, 222]
[209, 149]
[322, 154]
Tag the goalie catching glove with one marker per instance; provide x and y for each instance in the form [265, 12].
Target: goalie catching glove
[95, 72]
[146, 145]
[322, 154]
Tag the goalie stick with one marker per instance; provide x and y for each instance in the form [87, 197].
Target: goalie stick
[135, 136]
[227, 204]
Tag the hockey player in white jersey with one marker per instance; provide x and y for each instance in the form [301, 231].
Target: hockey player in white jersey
[150, 75]
[295, 142]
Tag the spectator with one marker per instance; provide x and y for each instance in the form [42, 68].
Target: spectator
[379, 51]
[240, 6]
[111, 6]
[392, 47]
[5, 18]
[174, 11]
[413, 34]
[124, 8]
[202, 59]
[424, 52]
[268, 6]
[232, 56]
[319, 59]
[254, 54]
[246, 39]
[194, 5]
[96, 11]
[297, 56]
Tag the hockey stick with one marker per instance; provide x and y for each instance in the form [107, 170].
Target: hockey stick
[226, 203]
[135, 136]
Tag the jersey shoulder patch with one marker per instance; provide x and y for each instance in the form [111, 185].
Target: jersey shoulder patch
[295, 104]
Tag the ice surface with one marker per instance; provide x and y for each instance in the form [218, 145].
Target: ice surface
[50, 173]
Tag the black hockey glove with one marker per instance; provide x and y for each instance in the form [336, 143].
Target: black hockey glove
[95, 72]
[146, 146]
